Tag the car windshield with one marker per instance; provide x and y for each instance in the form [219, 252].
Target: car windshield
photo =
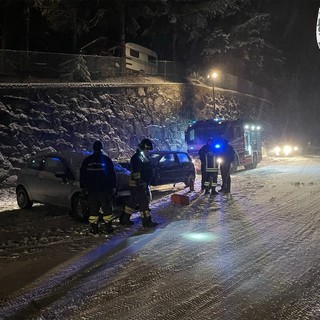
[119, 168]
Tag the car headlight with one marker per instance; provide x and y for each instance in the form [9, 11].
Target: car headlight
[287, 150]
[277, 150]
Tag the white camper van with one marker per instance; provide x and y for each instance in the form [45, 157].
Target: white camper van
[138, 58]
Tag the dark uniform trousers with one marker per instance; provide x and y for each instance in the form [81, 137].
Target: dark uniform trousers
[97, 200]
[211, 172]
[225, 175]
[139, 196]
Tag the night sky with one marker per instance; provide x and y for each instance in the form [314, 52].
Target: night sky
[293, 30]
[293, 25]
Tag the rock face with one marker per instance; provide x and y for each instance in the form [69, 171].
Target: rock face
[34, 118]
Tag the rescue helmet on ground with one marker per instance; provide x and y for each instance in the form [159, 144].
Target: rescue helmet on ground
[146, 144]
[97, 146]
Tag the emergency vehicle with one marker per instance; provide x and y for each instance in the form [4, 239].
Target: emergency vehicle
[244, 137]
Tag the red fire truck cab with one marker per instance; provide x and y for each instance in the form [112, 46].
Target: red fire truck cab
[244, 137]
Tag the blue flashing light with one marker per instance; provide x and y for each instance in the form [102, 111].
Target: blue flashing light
[217, 146]
[217, 119]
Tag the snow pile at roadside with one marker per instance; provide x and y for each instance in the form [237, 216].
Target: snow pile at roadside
[8, 199]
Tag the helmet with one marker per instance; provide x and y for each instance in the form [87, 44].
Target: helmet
[146, 144]
[97, 146]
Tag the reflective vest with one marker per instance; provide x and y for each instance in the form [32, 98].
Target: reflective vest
[211, 162]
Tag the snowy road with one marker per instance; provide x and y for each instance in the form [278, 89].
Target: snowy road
[254, 255]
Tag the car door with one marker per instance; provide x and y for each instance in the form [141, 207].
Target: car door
[55, 190]
[185, 166]
[167, 167]
[30, 177]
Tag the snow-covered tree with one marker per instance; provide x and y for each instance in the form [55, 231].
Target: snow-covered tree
[76, 70]
[70, 16]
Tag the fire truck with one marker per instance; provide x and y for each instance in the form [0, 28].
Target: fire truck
[245, 138]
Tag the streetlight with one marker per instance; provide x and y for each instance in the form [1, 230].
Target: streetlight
[213, 75]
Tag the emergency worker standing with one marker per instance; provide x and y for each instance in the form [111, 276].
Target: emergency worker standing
[228, 156]
[212, 167]
[98, 179]
[140, 179]
[202, 155]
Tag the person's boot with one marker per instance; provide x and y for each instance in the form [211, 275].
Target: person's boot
[108, 227]
[148, 223]
[213, 191]
[125, 219]
[94, 228]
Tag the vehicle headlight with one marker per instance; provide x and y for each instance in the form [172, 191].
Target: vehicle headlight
[287, 150]
[295, 148]
[277, 150]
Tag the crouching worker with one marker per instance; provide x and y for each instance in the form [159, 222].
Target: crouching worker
[98, 179]
[140, 179]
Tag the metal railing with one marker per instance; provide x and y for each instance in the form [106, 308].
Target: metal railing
[20, 65]
[230, 82]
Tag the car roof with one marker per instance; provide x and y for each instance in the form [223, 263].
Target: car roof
[63, 154]
[72, 157]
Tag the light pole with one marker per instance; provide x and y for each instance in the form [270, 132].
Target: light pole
[213, 75]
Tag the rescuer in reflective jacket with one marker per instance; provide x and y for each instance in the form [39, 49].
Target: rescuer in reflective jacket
[212, 166]
[98, 179]
[140, 179]
[228, 156]
[202, 155]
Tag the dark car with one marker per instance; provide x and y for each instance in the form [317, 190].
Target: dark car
[172, 167]
[53, 178]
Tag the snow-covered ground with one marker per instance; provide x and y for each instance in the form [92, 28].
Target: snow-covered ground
[251, 255]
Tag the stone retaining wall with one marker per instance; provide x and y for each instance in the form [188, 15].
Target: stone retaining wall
[34, 118]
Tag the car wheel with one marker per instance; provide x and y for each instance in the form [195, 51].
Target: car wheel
[23, 199]
[253, 164]
[190, 177]
[80, 208]
[255, 161]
